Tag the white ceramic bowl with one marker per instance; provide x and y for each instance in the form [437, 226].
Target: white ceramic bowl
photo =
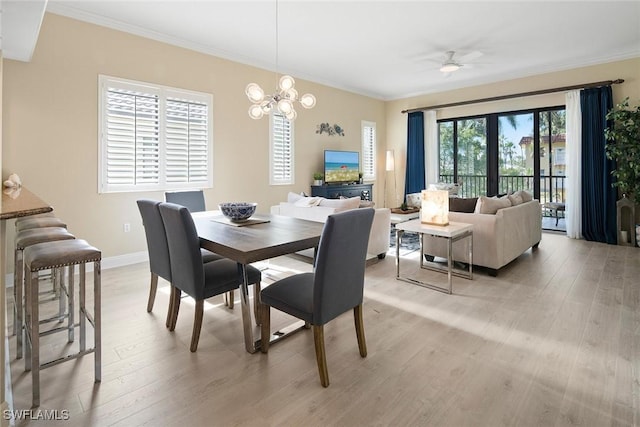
[238, 211]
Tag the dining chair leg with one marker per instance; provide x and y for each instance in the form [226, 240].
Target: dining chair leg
[257, 305]
[170, 309]
[175, 307]
[197, 325]
[321, 358]
[231, 299]
[357, 317]
[265, 333]
[153, 287]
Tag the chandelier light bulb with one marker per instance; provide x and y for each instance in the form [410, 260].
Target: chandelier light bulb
[291, 115]
[254, 92]
[255, 112]
[286, 82]
[285, 106]
[308, 101]
[291, 94]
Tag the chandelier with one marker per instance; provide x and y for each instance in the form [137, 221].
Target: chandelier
[283, 100]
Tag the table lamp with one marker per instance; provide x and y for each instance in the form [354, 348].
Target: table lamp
[435, 207]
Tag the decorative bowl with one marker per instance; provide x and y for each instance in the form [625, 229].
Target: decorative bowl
[238, 211]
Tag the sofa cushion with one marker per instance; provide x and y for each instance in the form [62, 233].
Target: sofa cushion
[460, 204]
[491, 205]
[293, 197]
[341, 204]
[516, 199]
[526, 196]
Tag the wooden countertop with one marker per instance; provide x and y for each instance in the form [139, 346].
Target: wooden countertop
[21, 202]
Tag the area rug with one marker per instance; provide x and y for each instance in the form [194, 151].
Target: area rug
[410, 242]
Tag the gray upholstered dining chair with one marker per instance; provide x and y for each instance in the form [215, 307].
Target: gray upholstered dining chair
[192, 199]
[335, 286]
[159, 250]
[189, 274]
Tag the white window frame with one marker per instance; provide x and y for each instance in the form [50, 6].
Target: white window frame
[369, 151]
[274, 163]
[163, 93]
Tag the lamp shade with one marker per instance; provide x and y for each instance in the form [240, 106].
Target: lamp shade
[435, 207]
[390, 161]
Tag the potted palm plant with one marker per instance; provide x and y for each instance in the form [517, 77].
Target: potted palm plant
[317, 178]
[623, 146]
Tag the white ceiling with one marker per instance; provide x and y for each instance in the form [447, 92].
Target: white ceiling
[384, 49]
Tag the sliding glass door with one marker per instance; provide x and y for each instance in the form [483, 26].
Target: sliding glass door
[516, 170]
[505, 152]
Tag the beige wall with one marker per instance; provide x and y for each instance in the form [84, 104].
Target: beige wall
[397, 122]
[50, 131]
[50, 122]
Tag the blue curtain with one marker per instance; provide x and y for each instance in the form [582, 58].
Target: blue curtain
[598, 196]
[414, 178]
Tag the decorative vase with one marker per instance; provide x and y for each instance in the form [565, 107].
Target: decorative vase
[317, 182]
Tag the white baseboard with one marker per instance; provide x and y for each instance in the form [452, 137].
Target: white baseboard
[107, 263]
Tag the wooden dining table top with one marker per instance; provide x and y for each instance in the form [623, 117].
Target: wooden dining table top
[281, 235]
[21, 202]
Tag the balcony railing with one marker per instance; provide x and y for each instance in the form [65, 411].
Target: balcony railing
[552, 187]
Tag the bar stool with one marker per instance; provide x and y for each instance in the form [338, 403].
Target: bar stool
[59, 254]
[47, 219]
[39, 222]
[24, 239]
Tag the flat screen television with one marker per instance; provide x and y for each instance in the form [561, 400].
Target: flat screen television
[341, 166]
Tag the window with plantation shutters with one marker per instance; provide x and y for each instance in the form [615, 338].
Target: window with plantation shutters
[368, 166]
[153, 137]
[281, 157]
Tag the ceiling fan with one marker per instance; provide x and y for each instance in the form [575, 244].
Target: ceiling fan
[451, 64]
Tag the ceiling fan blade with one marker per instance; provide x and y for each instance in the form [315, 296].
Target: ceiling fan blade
[470, 56]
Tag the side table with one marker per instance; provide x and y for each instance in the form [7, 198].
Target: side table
[452, 233]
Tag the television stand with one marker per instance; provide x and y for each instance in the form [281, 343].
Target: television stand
[335, 191]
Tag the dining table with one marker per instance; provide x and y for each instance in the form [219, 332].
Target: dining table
[260, 238]
[16, 202]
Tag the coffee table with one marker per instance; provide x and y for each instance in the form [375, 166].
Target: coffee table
[397, 218]
[452, 233]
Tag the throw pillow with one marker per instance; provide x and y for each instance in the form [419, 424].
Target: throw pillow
[526, 196]
[460, 204]
[307, 202]
[293, 197]
[515, 199]
[341, 204]
[491, 205]
[414, 200]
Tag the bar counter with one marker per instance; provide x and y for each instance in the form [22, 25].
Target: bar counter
[16, 203]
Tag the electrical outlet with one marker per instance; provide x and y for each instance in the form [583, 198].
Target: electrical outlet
[127, 227]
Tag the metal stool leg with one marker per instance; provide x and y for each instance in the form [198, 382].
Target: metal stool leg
[34, 338]
[27, 322]
[97, 277]
[71, 290]
[19, 309]
[83, 310]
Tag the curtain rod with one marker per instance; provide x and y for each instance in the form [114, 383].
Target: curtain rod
[518, 95]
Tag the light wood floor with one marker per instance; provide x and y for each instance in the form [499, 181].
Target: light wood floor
[553, 340]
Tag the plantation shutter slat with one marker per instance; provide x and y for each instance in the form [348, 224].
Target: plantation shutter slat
[282, 150]
[132, 128]
[186, 141]
[153, 137]
[368, 151]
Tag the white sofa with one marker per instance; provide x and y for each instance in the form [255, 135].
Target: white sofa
[318, 209]
[498, 238]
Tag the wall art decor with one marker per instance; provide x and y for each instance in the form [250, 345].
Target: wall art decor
[331, 130]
